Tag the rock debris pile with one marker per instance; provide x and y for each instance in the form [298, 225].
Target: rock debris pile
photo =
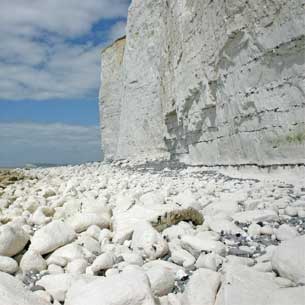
[151, 234]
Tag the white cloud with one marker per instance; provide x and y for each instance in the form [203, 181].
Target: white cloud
[22, 143]
[118, 30]
[39, 55]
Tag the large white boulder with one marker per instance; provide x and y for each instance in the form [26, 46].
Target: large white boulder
[52, 236]
[286, 232]
[12, 292]
[242, 285]
[161, 280]
[148, 241]
[57, 285]
[130, 287]
[12, 240]
[201, 288]
[82, 221]
[32, 260]
[196, 245]
[289, 259]
[68, 253]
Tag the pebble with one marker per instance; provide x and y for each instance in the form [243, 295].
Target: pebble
[8, 265]
[291, 211]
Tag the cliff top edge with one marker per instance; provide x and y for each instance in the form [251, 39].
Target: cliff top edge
[113, 43]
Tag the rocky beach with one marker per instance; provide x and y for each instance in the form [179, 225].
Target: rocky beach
[153, 233]
[200, 197]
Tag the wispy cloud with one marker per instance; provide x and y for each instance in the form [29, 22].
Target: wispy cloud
[118, 30]
[46, 50]
[22, 143]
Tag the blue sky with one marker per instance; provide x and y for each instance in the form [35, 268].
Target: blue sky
[50, 77]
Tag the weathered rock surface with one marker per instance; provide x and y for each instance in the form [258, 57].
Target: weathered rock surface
[289, 259]
[202, 288]
[130, 287]
[12, 292]
[51, 237]
[208, 82]
[8, 265]
[243, 286]
[12, 240]
[148, 241]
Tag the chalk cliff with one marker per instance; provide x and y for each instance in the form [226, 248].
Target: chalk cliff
[207, 82]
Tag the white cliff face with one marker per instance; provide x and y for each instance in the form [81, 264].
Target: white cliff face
[209, 82]
[111, 90]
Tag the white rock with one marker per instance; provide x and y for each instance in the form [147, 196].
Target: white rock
[44, 295]
[283, 283]
[210, 235]
[105, 234]
[268, 255]
[12, 292]
[243, 285]
[12, 240]
[263, 267]
[187, 199]
[148, 241]
[201, 288]
[94, 231]
[82, 221]
[183, 258]
[103, 262]
[285, 232]
[255, 216]
[210, 261]
[181, 274]
[32, 260]
[124, 202]
[77, 266]
[162, 282]
[129, 287]
[8, 265]
[111, 272]
[176, 231]
[56, 260]
[48, 193]
[152, 198]
[301, 213]
[266, 230]
[89, 243]
[55, 269]
[291, 211]
[254, 230]
[196, 245]
[52, 236]
[40, 216]
[171, 267]
[245, 261]
[288, 259]
[133, 259]
[174, 299]
[57, 285]
[68, 253]
[222, 225]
